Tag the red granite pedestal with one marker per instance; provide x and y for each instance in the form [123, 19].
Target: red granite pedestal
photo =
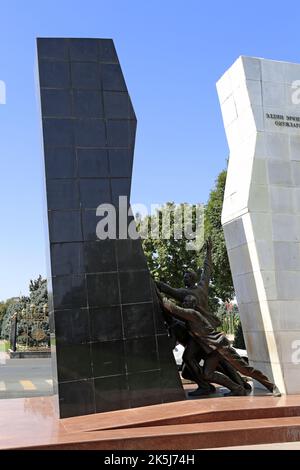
[31, 423]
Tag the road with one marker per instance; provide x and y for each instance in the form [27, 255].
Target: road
[24, 377]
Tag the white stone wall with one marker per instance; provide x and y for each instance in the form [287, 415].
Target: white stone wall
[261, 211]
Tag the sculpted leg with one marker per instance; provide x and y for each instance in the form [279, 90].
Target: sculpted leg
[239, 364]
[212, 375]
[190, 358]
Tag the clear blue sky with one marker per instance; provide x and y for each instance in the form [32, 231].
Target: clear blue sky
[172, 52]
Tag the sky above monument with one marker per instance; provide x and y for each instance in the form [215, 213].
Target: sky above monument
[171, 53]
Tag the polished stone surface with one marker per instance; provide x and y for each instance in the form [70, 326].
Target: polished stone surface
[195, 424]
[109, 344]
[261, 210]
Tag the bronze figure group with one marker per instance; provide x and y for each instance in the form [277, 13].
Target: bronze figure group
[196, 328]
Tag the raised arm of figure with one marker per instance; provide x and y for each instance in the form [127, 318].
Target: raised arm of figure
[207, 269]
[177, 294]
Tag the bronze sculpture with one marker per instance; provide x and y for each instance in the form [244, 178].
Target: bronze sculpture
[199, 291]
[216, 346]
[180, 334]
[177, 328]
[202, 341]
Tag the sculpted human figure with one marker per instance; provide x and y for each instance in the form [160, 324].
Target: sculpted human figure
[195, 352]
[199, 291]
[180, 334]
[216, 346]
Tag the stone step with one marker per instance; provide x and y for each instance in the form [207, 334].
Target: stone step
[199, 424]
[184, 436]
[188, 412]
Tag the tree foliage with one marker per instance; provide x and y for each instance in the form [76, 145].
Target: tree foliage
[14, 307]
[221, 279]
[239, 341]
[3, 309]
[169, 258]
[228, 313]
[36, 300]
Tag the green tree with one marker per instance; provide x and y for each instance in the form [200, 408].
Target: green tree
[228, 313]
[17, 305]
[221, 280]
[239, 341]
[37, 299]
[169, 258]
[38, 291]
[3, 307]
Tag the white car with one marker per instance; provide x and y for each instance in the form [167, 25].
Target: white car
[178, 353]
[179, 349]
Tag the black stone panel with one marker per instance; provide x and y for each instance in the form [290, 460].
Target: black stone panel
[85, 75]
[117, 105]
[138, 320]
[88, 103]
[112, 78]
[69, 291]
[107, 52]
[83, 50]
[73, 361]
[63, 194]
[65, 226]
[58, 132]
[60, 162]
[145, 388]
[56, 103]
[67, 258]
[120, 187]
[94, 191]
[137, 358]
[72, 326]
[120, 161]
[112, 393]
[90, 133]
[120, 133]
[92, 163]
[55, 49]
[89, 224]
[135, 287]
[54, 74]
[108, 339]
[76, 398]
[106, 323]
[108, 358]
[103, 289]
[99, 256]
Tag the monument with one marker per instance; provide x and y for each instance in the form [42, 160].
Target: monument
[110, 350]
[109, 344]
[261, 212]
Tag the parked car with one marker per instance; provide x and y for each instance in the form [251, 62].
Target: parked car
[178, 353]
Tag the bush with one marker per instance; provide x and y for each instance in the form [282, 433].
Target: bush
[239, 341]
[37, 299]
[228, 313]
